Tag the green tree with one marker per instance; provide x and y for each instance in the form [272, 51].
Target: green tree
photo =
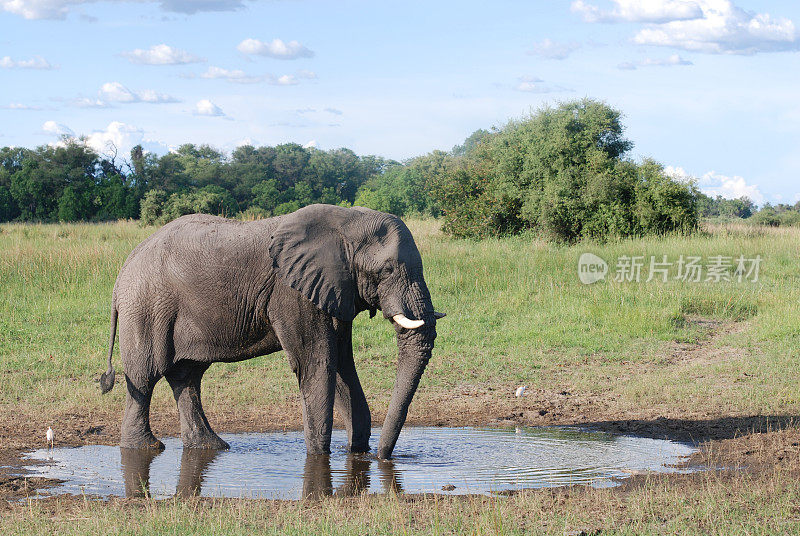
[561, 171]
[72, 206]
[152, 207]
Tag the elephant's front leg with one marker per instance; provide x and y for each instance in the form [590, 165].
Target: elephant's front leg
[311, 346]
[317, 387]
[350, 400]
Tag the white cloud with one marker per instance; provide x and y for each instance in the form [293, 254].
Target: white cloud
[672, 60]
[236, 75]
[275, 49]
[161, 55]
[59, 9]
[196, 6]
[239, 76]
[714, 184]
[117, 138]
[640, 11]
[88, 102]
[334, 111]
[724, 29]
[308, 75]
[37, 9]
[309, 144]
[678, 173]
[245, 141]
[116, 92]
[148, 95]
[52, 127]
[285, 80]
[20, 106]
[552, 50]
[206, 107]
[36, 62]
[709, 26]
[533, 84]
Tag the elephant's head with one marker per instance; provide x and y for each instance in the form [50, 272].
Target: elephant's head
[350, 260]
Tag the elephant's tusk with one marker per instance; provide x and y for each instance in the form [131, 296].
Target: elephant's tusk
[407, 323]
[437, 315]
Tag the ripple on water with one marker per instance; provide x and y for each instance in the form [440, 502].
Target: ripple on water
[275, 465]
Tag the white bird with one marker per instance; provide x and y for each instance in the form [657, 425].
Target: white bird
[50, 436]
[520, 391]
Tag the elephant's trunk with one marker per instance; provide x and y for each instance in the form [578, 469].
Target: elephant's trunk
[414, 351]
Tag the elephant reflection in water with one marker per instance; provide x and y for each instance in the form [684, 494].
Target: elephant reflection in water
[317, 474]
[136, 471]
[318, 477]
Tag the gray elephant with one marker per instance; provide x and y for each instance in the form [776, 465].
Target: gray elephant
[205, 289]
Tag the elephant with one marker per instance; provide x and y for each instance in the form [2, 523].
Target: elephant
[205, 289]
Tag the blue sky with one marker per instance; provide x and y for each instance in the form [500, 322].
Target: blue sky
[707, 87]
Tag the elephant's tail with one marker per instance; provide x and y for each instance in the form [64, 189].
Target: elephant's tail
[107, 378]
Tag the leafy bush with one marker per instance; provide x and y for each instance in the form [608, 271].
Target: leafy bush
[401, 190]
[252, 214]
[286, 208]
[152, 207]
[767, 216]
[158, 209]
[561, 172]
[790, 218]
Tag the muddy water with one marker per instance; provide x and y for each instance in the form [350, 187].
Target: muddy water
[275, 465]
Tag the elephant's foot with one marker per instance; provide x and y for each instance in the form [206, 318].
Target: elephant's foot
[144, 442]
[207, 441]
[317, 449]
[358, 446]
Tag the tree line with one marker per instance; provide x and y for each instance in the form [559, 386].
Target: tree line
[562, 172]
[70, 181]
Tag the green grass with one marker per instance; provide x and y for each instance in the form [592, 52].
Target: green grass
[517, 313]
[713, 506]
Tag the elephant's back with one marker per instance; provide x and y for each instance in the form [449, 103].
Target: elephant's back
[189, 247]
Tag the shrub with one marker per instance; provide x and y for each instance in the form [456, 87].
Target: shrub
[157, 208]
[561, 172]
[767, 216]
[401, 190]
[252, 214]
[152, 207]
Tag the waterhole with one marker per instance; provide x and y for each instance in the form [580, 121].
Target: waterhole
[426, 459]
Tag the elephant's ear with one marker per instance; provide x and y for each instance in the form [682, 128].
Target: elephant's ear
[310, 254]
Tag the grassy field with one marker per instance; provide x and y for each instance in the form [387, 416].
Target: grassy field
[517, 314]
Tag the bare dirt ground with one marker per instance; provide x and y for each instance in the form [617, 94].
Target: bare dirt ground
[729, 442]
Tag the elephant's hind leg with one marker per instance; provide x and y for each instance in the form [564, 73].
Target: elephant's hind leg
[196, 433]
[136, 432]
